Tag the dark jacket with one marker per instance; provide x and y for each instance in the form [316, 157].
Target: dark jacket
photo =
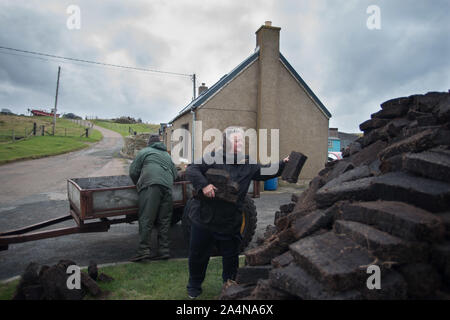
[153, 165]
[218, 215]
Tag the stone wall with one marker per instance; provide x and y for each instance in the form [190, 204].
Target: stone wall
[132, 144]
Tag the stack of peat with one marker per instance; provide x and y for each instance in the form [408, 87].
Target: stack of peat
[50, 282]
[387, 203]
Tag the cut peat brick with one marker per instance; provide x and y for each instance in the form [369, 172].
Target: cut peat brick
[393, 287]
[368, 154]
[418, 288]
[416, 143]
[396, 186]
[233, 291]
[361, 189]
[263, 254]
[264, 291]
[393, 103]
[392, 164]
[341, 167]
[306, 201]
[396, 218]
[338, 261]
[445, 217]
[282, 260]
[373, 124]
[443, 110]
[426, 103]
[375, 135]
[354, 174]
[441, 260]
[310, 223]
[428, 194]
[226, 189]
[429, 164]
[392, 111]
[292, 169]
[298, 282]
[382, 244]
[251, 274]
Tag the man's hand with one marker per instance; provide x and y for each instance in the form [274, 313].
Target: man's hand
[286, 159]
[208, 191]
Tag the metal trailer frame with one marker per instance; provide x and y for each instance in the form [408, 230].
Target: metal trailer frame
[81, 217]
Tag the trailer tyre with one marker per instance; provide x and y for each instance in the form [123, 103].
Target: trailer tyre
[248, 227]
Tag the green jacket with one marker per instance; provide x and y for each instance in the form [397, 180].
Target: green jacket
[153, 165]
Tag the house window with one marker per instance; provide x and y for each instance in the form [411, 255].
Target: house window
[330, 144]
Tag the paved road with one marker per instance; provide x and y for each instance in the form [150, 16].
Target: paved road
[46, 178]
[35, 190]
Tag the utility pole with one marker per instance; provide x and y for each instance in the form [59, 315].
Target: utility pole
[194, 85]
[56, 101]
[193, 120]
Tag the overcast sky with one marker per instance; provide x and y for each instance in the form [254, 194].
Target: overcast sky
[350, 68]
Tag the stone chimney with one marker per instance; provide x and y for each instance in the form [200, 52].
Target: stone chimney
[202, 88]
[269, 37]
[268, 41]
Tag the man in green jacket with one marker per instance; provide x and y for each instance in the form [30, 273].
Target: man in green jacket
[153, 172]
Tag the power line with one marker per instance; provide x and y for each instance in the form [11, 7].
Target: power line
[84, 65]
[95, 62]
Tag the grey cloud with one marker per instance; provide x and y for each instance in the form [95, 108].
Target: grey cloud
[350, 68]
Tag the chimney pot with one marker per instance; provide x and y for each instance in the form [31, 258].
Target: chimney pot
[202, 88]
[268, 23]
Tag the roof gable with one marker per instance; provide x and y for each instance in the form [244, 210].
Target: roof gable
[305, 86]
[205, 95]
[210, 92]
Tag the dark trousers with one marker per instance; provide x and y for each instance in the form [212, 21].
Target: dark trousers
[200, 248]
[155, 206]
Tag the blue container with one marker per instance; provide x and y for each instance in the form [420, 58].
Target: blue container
[271, 184]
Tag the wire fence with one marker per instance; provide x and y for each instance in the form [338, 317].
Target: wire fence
[29, 130]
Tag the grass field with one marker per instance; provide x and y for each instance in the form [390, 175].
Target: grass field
[67, 138]
[155, 280]
[123, 128]
[24, 124]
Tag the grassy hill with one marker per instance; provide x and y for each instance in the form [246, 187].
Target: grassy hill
[67, 137]
[123, 128]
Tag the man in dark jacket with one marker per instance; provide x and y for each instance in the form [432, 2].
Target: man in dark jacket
[153, 172]
[217, 221]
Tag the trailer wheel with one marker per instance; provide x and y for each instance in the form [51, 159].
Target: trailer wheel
[248, 227]
[249, 220]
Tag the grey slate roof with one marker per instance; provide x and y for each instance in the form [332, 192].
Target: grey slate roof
[202, 98]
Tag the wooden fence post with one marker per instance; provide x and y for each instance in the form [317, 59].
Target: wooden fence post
[34, 128]
[13, 135]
